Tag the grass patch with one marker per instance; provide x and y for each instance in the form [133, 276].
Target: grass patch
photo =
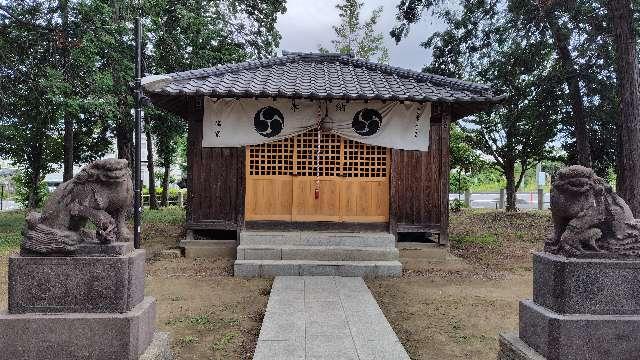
[480, 239]
[224, 341]
[11, 223]
[497, 239]
[188, 340]
[172, 215]
[202, 321]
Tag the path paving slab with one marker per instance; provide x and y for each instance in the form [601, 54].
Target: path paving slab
[325, 318]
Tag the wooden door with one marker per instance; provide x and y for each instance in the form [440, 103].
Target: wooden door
[282, 180]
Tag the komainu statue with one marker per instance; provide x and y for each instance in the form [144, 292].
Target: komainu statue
[101, 192]
[590, 220]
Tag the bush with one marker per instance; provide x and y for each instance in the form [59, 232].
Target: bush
[457, 205]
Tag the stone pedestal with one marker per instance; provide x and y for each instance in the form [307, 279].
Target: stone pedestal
[581, 309]
[89, 306]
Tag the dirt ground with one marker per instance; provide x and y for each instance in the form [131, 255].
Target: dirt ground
[209, 313]
[451, 311]
[440, 310]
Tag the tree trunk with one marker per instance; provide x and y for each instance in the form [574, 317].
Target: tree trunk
[509, 174]
[68, 149]
[165, 183]
[561, 41]
[153, 200]
[68, 121]
[629, 119]
[34, 184]
[125, 144]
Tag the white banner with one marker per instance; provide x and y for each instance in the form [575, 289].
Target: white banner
[391, 124]
[239, 122]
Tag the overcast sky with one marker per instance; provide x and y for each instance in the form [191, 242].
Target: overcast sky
[307, 24]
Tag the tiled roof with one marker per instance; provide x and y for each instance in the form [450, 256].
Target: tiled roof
[318, 76]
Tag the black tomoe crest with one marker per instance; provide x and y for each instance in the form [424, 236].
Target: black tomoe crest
[366, 122]
[268, 121]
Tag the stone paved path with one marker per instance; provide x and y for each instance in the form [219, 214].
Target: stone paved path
[325, 318]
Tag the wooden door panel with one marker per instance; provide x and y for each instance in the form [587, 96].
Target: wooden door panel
[364, 200]
[269, 198]
[281, 180]
[307, 208]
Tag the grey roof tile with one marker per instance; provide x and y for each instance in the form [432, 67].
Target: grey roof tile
[322, 76]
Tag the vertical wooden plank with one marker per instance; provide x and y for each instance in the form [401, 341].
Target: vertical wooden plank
[195, 190]
[444, 177]
[241, 180]
[393, 192]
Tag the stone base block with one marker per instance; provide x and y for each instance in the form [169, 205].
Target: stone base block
[586, 286]
[159, 349]
[512, 348]
[88, 336]
[209, 249]
[579, 337]
[82, 284]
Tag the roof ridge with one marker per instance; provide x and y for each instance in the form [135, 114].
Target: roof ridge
[288, 57]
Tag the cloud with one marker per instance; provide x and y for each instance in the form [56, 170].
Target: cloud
[308, 24]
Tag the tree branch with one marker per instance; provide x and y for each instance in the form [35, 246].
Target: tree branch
[5, 9]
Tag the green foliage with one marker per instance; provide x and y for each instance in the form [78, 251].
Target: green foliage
[357, 38]
[72, 60]
[172, 215]
[464, 160]
[486, 42]
[25, 195]
[510, 44]
[456, 205]
[11, 223]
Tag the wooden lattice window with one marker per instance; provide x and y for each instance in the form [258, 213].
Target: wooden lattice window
[338, 157]
[306, 147]
[362, 160]
[274, 158]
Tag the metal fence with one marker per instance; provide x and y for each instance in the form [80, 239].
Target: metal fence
[497, 199]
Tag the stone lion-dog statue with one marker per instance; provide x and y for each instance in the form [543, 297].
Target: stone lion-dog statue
[101, 192]
[590, 220]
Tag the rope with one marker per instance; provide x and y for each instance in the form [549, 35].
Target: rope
[318, 149]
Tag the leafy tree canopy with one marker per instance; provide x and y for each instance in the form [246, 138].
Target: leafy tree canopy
[360, 39]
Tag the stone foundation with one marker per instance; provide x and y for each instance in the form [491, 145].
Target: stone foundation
[84, 284]
[513, 348]
[581, 309]
[75, 336]
[80, 308]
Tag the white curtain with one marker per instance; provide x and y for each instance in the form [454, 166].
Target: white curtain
[239, 122]
[392, 124]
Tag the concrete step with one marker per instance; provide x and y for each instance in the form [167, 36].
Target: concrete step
[271, 268]
[317, 238]
[322, 253]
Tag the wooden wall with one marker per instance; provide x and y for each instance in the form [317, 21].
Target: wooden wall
[420, 184]
[215, 179]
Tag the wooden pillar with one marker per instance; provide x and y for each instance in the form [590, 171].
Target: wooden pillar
[393, 193]
[502, 197]
[467, 198]
[444, 177]
[193, 114]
